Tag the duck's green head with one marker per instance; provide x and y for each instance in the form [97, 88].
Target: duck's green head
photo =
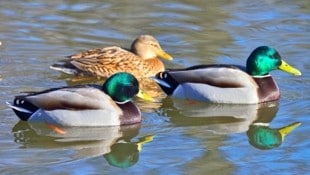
[122, 87]
[265, 59]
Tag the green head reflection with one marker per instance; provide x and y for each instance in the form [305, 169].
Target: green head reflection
[126, 154]
[262, 137]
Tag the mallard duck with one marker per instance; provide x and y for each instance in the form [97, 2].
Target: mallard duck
[221, 83]
[83, 105]
[141, 60]
[263, 137]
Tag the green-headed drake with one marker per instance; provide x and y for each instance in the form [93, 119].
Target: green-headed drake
[83, 105]
[222, 83]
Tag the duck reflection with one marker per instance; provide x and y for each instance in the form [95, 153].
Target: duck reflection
[126, 154]
[254, 120]
[263, 137]
[114, 143]
[219, 118]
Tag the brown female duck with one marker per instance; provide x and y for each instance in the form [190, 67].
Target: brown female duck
[141, 60]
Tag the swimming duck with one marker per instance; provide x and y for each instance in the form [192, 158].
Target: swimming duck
[83, 105]
[263, 137]
[141, 60]
[221, 83]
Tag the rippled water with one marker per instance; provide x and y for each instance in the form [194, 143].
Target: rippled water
[189, 137]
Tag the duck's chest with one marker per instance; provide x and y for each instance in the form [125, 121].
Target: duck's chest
[267, 89]
[152, 66]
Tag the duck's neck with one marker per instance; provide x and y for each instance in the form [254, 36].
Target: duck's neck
[131, 113]
[267, 88]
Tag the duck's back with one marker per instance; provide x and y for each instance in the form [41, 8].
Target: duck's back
[214, 83]
[108, 61]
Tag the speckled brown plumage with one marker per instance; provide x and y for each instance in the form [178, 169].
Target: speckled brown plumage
[141, 61]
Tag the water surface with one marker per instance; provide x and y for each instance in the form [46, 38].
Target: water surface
[189, 137]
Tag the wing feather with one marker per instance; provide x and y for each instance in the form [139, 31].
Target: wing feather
[71, 98]
[107, 61]
[216, 75]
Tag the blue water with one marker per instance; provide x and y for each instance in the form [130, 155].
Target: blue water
[189, 137]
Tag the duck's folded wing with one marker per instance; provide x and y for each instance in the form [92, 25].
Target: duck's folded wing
[106, 55]
[71, 98]
[107, 60]
[215, 75]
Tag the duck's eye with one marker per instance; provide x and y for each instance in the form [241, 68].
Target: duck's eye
[154, 45]
[276, 56]
[273, 56]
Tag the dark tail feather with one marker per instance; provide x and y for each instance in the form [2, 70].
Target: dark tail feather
[22, 108]
[65, 67]
[167, 83]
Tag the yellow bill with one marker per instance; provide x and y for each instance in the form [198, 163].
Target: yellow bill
[288, 68]
[161, 53]
[145, 96]
[144, 140]
[287, 129]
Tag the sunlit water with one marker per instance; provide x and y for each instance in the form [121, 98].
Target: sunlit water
[189, 137]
